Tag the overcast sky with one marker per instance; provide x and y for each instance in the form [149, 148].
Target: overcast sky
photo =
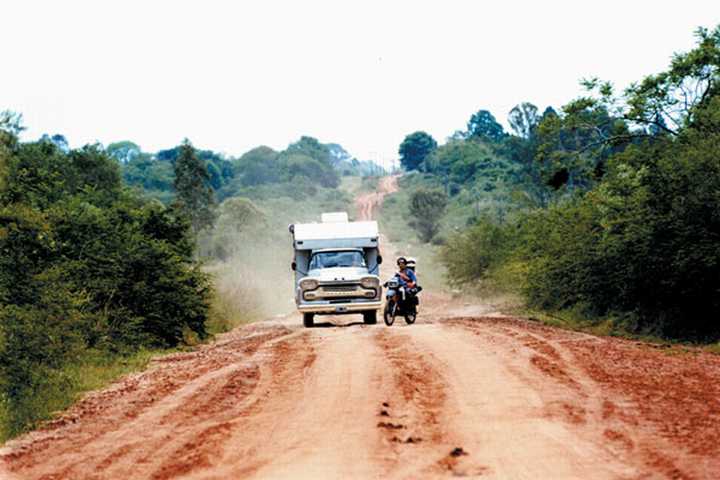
[231, 75]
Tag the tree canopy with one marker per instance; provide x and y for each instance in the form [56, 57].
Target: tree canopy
[415, 149]
[482, 124]
[195, 196]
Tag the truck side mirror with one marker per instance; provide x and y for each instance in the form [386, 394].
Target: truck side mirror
[293, 265]
[379, 259]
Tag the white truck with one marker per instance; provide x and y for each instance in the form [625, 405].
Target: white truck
[337, 266]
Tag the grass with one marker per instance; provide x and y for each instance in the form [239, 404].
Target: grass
[94, 369]
[611, 327]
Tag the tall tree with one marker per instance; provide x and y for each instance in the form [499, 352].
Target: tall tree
[483, 125]
[124, 151]
[524, 119]
[415, 148]
[195, 196]
[427, 208]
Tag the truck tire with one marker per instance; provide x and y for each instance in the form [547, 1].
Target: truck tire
[308, 320]
[370, 318]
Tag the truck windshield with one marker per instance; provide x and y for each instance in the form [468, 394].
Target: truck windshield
[337, 259]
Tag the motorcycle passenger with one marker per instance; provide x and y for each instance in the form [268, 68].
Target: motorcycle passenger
[410, 262]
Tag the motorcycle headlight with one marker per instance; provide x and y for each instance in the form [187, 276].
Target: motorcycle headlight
[370, 282]
[309, 284]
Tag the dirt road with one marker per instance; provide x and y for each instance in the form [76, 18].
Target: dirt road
[464, 392]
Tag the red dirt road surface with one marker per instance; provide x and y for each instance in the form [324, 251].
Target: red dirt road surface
[464, 392]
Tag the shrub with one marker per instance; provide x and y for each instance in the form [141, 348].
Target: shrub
[470, 254]
[84, 266]
[427, 208]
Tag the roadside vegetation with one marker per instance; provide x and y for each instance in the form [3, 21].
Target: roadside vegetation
[604, 213]
[90, 274]
[112, 255]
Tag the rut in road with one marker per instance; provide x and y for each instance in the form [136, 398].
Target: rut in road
[463, 392]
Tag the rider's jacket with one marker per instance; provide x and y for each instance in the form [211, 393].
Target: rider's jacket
[407, 278]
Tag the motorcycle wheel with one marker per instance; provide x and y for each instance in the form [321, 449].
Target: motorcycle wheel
[389, 313]
[410, 318]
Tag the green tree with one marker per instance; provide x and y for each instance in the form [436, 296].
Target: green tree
[301, 167]
[40, 174]
[461, 162]
[312, 148]
[641, 246]
[87, 270]
[415, 149]
[427, 208]
[482, 124]
[195, 196]
[10, 127]
[124, 151]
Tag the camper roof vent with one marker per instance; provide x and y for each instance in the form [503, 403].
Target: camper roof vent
[334, 217]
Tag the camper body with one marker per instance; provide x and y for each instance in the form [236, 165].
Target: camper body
[336, 264]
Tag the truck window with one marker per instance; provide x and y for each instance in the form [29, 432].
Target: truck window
[337, 259]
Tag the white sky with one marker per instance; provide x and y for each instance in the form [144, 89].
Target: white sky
[232, 75]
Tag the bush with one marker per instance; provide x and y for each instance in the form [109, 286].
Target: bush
[469, 255]
[642, 246]
[36, 341]
[427, 208]
[84, 266]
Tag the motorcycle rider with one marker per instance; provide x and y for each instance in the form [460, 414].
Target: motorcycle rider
[406, 278]
[406, 275]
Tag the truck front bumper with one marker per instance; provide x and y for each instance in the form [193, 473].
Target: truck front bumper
[339, 308]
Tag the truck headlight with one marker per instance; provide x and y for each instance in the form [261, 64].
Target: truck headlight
[370, 282]
[309, 284]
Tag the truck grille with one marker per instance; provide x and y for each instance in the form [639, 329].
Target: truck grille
[339, 288]
[346, 291]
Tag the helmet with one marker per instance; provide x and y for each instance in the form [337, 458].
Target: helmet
[410, 262]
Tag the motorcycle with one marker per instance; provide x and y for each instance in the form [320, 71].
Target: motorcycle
[400, 301]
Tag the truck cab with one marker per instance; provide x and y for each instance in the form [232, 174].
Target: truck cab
[336, 264]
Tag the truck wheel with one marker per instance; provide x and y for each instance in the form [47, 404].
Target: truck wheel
[308, 320]
[370, 318]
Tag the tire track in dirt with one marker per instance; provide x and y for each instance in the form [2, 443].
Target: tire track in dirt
[635, 413]
[410, 417]
[317, 421]
[228, 413]
[122, 430]
[514, 419]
